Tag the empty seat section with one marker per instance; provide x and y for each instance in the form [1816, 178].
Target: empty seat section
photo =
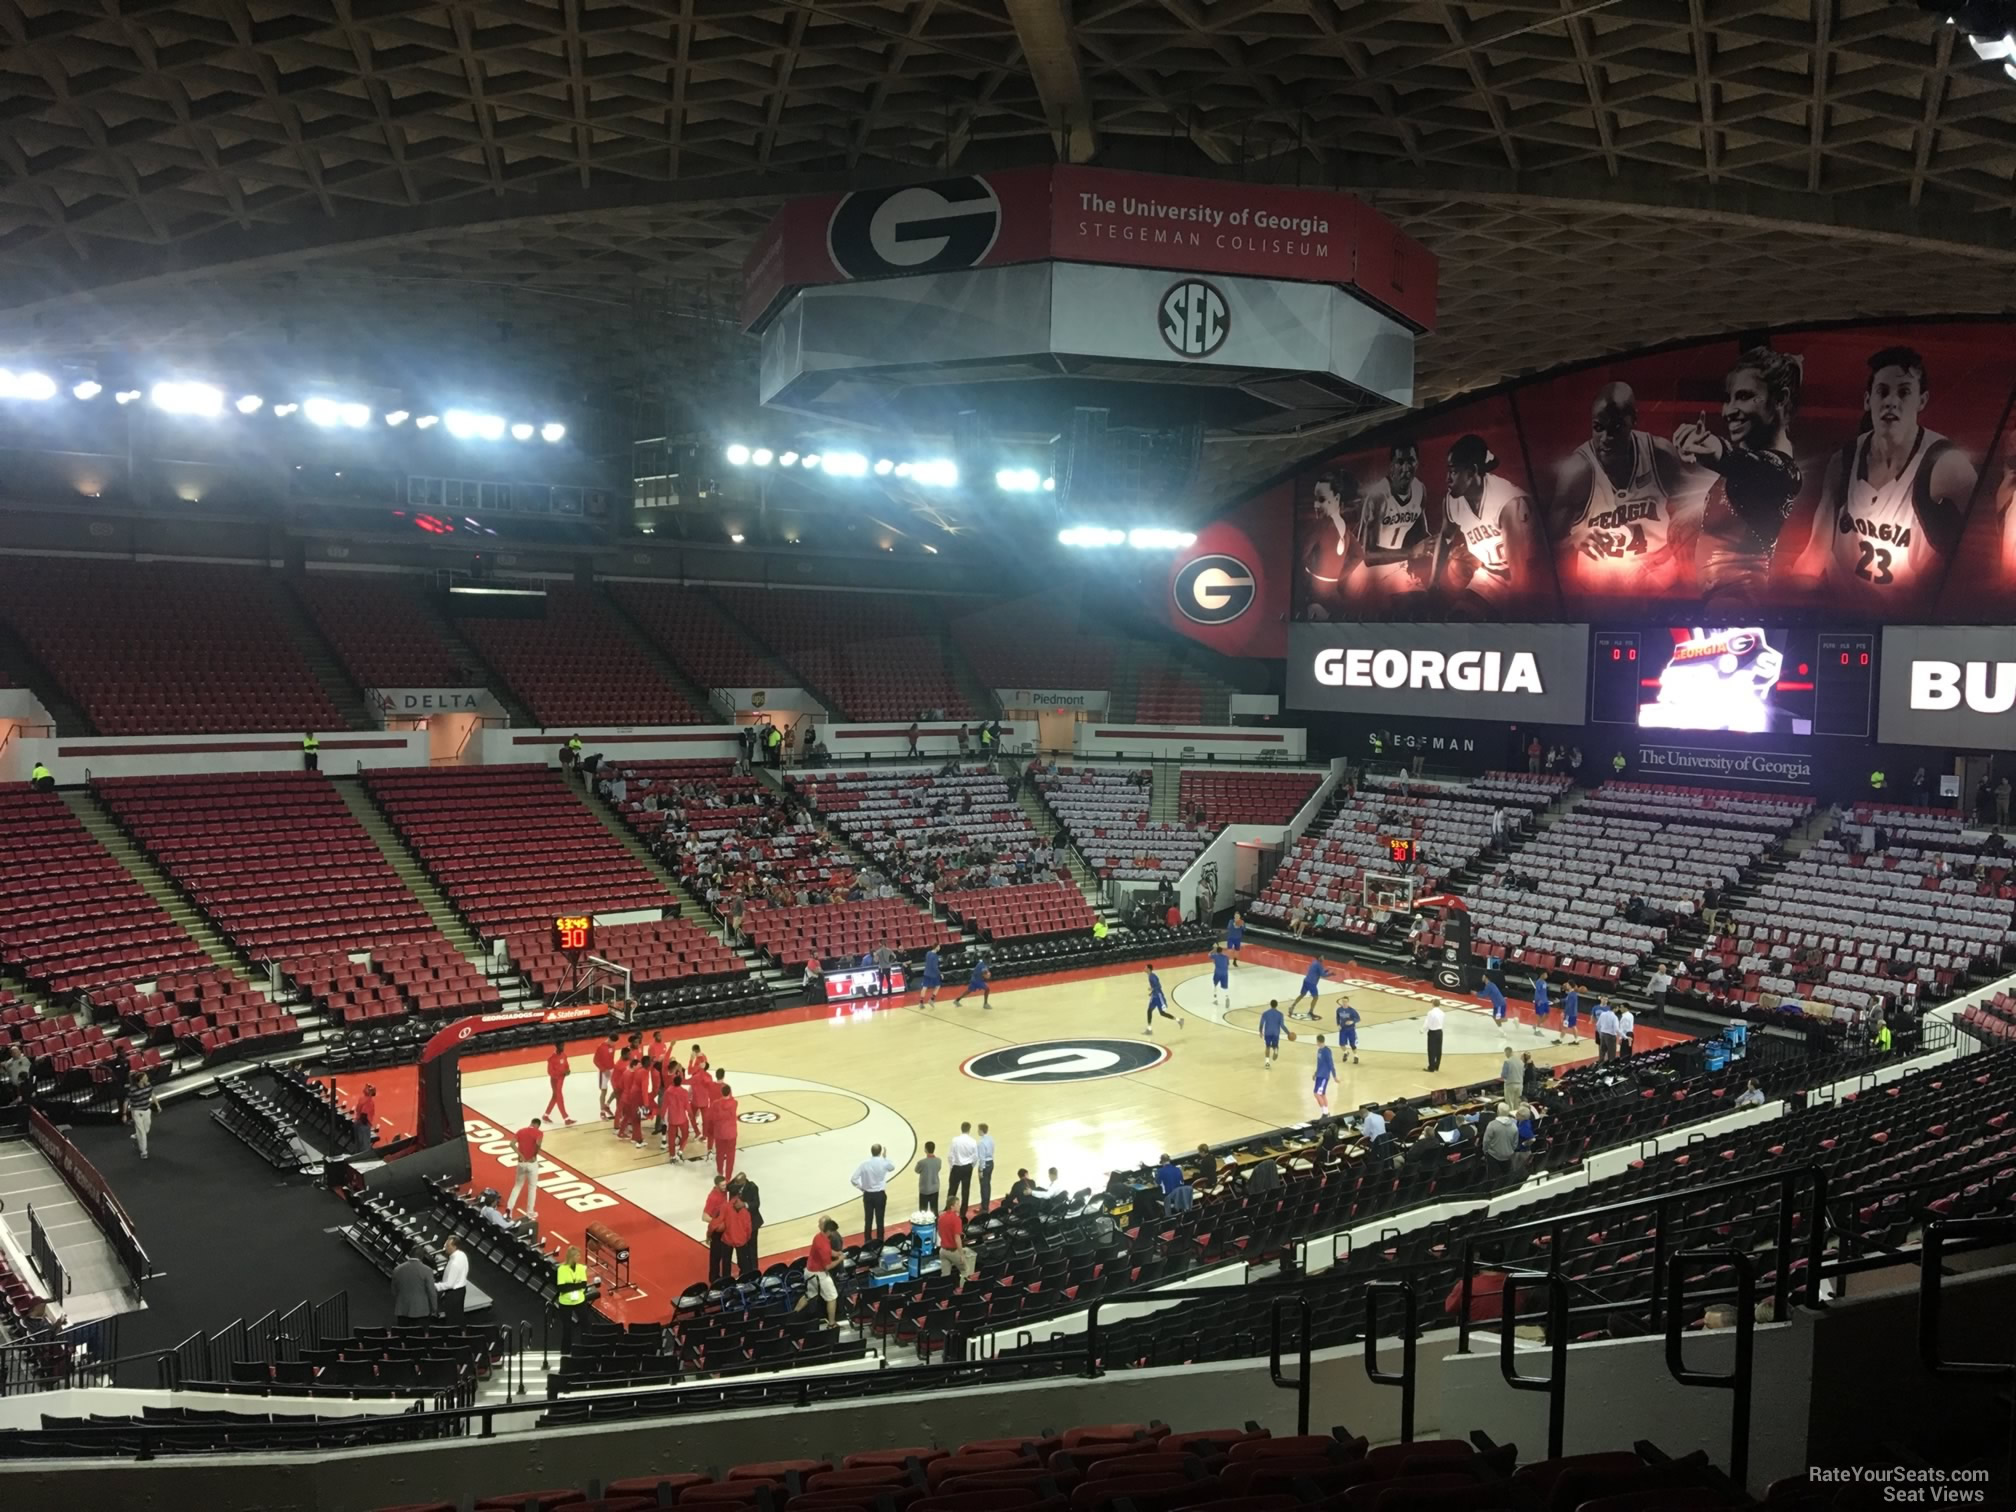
[165, 649]
[1106, 810]
[279, 866]
[578, 666]
[1028, 911]
[693, 633]
[381, 631]
[876, 654]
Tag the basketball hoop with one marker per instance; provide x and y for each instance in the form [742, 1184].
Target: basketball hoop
[1387, 894]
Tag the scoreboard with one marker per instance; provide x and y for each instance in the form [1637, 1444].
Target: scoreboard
[573, 933]
[1740, 680]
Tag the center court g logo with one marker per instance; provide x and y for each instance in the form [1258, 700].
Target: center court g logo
[1074, 1060]
[922, 228]
[1214, 590]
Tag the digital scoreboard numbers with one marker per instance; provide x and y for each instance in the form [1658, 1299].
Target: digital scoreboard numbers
[573, 933]
[1844, 682]
[1401, 851]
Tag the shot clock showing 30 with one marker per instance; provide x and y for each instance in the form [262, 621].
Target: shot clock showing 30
[573, 933]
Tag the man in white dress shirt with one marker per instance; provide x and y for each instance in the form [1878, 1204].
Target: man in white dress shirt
[453, 1287]
[1433, 1024]
[986, 1158]
[1606, 1034]
[871, 1179]
[963, 1156]
[1627, 1025]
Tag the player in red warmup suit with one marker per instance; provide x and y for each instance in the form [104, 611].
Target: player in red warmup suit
[556, 1077]
[605, 1067]
[675, 1108]
[722, 1125]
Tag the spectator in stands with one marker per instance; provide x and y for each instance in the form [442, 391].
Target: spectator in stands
[1263, 1176]
[2002, 803]
[1660, 983]
[1501, 1143]
[1020, 1194]
[1512, 1071]
[20, 1072]
[911, 735]
[871, 1180]
[1606, 1033]
[927, 1170]
[1921, 789]
[413, 1298]
[965, 740]
[139, 1111]
[1575, 763]
[1372, 1126]
[1176, 1193]
[1533, 756]
[41, 779]
[1752, 1095]
[1207, 1168]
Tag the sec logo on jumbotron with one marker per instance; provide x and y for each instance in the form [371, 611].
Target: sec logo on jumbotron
[1047, 1062]
[1214, 589]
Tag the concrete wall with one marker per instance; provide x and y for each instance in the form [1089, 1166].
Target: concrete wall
[1173, 742]
[939, 738]
[498, 746]
[344, 752]
[26, 1411]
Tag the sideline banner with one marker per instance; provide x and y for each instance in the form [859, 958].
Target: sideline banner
[1092, 700]
[418, 703]
[1948, 686]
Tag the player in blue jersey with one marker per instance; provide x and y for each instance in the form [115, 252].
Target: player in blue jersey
[1571, 1014]
[1157, 1003]
[1542, 1006]
[1347, 1028]
[1273, 1024]
[1326, 1072]
[1311, 979]
[1235, 935]
[1221, 977]
[1495, 995]
[982, 975]
[933, 977]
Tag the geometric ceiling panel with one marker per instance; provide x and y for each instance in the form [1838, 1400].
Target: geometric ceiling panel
[571, 185]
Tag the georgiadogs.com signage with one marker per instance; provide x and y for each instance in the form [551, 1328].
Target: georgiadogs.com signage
[1535, 674]
[1092, 700]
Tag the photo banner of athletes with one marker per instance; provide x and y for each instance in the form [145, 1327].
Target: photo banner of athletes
[1865, 472]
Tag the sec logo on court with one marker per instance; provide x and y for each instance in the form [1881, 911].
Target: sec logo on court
[1214, 590]
[1046, 1062]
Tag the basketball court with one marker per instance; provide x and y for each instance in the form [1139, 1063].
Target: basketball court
[1059, 1069]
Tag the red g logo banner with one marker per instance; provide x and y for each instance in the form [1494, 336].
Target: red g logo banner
[1229, 589]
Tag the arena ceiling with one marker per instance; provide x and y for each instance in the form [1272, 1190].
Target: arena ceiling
[570, 185]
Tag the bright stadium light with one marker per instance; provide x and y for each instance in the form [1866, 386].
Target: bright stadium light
[1017, 480]
[427, 422]
[329, 413]
[522, 431]
[188, 398]
[936, 473]
[788, 459]
[552, 432]
[844, 465]
[1090, 535]
[90, 388]
[125, 396]
[736, 537]
[248, 404]
[397, 417]
[737, 455]
[883, 467]
[761, 456]
[1143, 539]
[26, 385]
[1049, 485]
[282, 411]
[902, 469]
[467, 425]
[809, 460]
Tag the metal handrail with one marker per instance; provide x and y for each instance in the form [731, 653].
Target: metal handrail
[1555, 1382]
[1404, 1378]
[1931, 1287]
[1300, 1383]
[1736, 1381]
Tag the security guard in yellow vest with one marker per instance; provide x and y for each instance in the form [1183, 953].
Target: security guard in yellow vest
[310, 746]
[773, 742]
[1877, 779]
[1099, 931]
[571, 1276]
[1378, 740]
[1618, 763]
[41, 779]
